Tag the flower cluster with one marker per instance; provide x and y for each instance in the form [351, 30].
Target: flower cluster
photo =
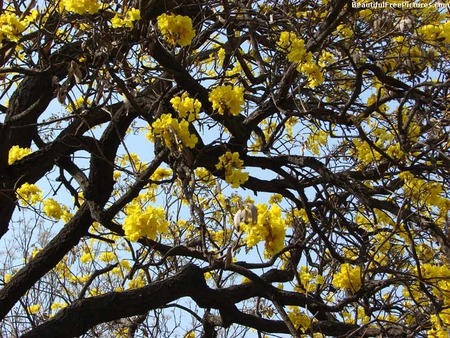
[176, 29]
[79, 103]
[54, 210]
[29, 193]
[172, 131]
[300, 319]
[161, 174]
[132, 160]
[81, 6]
[33, 309]
[126, 20]
[204, 176]
[432, 33]
[107, 257]
[270, 227]
[227, 99]
[440, 324]
[309, 279]
[294, 46]
[297, 52]
[348, 278]
[11, 27]
[438, 276]
[16, 153]
[186, 107]
[232, 164]
[144, 223]
[423, 191]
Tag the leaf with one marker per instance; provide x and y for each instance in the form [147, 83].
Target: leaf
[74, 70]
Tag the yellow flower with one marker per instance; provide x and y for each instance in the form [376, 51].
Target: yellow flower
[34, 308]
[276, 198]
[295, 47]
[204, 176]
[176, 29]
[187, 107]
[348, 278]
[313, 73]
[221, 56]
[57, 306]
[81, 102]
[107, 257]
[29, 193]
[227, 99]
[86, 258]
[270, 227]
[138, 282]
[133, 14]
[440, 325]
[11, 27]
[125, 265]
[309, 279]
[54, 210]
[7, 277]
[81, 6]
[16, 153]
[161, 173]
[297, 52]
[232, 164]
[173, 132]
[127, 20]
[299, 318]
[144, 223]
[287, 39]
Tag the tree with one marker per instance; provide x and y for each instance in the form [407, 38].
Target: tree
[207, 168]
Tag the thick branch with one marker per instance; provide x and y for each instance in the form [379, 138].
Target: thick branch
[79, 317]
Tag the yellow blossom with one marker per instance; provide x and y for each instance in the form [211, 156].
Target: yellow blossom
[81, 6]
[161, 173]
[7, 277]
[124, 264]
[348, 278]
[126, 20]
[204, 176]
[232, 164]
[313, 73]
[299, 318]
[58, 306]
[57, 211]
[137, 282]
[187, 107]
[144, 223]
[29, 193]
[176, 29]
[296, 49]
[52, 208]
[174, 132]
[86, 258]
[107, 257]
[227, 99]
[16, 153]
[34, 308]
[81, 102]
[270, 227]
[11, 27]
[309, 279]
